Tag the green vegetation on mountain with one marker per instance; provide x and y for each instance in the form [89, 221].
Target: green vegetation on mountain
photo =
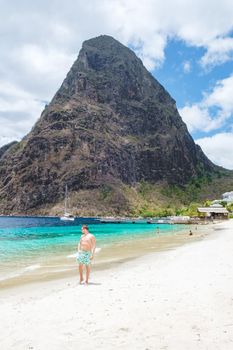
[113, 135]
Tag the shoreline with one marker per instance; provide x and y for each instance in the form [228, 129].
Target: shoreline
[110, 256]
[175, 300]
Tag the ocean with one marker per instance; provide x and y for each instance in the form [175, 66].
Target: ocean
[39, 247]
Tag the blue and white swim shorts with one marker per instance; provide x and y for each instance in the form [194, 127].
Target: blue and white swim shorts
[84, 257]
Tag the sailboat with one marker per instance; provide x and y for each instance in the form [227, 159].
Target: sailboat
[67, 216]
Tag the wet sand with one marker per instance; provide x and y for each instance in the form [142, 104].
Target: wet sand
[110, 255]
[177, 299]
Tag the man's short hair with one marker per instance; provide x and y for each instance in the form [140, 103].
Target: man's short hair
[85, 227]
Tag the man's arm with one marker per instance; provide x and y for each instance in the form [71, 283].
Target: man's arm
[93, 246]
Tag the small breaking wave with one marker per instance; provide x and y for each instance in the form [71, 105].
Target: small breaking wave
[11, 275]
[32, 267]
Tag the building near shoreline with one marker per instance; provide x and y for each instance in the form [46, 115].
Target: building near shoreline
[214, 211]
[228, 197]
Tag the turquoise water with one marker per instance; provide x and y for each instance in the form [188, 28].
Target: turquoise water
[29, 243]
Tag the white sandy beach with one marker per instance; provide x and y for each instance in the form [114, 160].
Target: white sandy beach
[178, 300]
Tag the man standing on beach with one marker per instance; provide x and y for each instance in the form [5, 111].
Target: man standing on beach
[86, 251]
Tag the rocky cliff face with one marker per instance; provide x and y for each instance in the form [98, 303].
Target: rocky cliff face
[5, 148]
[110, 123]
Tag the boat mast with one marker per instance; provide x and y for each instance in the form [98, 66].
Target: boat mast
[66, 193]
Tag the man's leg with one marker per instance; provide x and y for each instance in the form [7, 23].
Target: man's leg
[88, 270]
[80, 266]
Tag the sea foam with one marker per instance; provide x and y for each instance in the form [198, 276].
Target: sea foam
[32, 267]
[19, 273]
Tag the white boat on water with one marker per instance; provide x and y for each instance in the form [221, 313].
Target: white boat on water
[67, 216]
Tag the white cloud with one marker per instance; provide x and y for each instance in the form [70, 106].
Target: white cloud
[197, 117]
[219, 50]
[222, 95]
[18, 112]
[218, 148]
[187, 67]
[151, 53]
[40, 40]
[41, 70]
[153, 22]
[43, 61]
[213, 111]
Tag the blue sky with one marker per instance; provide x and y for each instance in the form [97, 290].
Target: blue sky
[186, 80]
[187, 46]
